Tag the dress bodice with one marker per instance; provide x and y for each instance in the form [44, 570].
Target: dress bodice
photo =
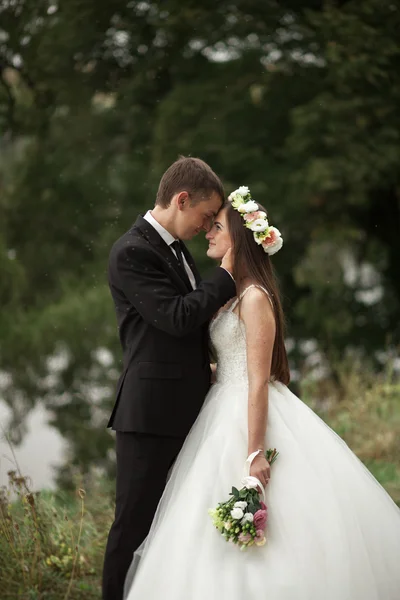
[228, 338]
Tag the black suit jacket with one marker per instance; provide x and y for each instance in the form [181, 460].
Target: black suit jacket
[162, 325]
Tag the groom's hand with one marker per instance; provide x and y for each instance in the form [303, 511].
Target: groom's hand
[227, 261]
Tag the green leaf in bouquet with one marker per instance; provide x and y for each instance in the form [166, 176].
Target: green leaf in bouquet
[235, 492]
[271, 455]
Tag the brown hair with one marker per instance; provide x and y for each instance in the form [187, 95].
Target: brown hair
[251, 261]
[191, 175]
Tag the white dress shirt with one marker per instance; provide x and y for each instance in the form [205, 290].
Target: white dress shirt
[169, 239]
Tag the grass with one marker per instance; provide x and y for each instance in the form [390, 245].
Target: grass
[363, 407]
[52, 544]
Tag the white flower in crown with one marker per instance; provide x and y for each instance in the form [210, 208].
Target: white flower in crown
[236, 200]
[258, 225]
[248, 207]
[243, 190]
[256, 220]
[239, 196]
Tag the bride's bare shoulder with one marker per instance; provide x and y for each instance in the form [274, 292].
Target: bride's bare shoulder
[257, 304]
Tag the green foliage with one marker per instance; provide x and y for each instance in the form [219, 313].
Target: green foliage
[298, 101]
[364, 409]
[52, 546]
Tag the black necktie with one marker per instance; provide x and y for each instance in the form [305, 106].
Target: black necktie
[177, 247]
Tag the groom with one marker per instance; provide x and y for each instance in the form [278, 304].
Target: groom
[163, 309]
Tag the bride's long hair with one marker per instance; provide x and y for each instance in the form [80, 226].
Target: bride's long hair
[251, 261]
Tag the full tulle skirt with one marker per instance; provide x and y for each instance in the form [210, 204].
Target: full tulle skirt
[333, 533]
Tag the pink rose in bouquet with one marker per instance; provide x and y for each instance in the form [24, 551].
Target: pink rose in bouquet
[243, 518]
[260, 519]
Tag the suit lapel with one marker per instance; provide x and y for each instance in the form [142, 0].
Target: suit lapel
[162, 248]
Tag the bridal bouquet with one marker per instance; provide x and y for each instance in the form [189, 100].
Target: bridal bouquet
[243, 518]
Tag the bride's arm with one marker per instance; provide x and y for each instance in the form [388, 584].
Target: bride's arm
[256, 313]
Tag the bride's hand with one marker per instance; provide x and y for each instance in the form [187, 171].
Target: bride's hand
[261, 469]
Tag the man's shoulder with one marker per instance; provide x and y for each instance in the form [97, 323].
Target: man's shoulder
[123, 247]
[132, 237]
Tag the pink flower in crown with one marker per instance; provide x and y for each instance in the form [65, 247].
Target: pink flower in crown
[260, 519]
[250, 217]
[263, 506]
[244, 538]
[273, 241]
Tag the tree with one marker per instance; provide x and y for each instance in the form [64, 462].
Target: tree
[97, 99]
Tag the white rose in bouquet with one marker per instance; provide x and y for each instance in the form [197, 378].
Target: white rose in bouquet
[237, 513]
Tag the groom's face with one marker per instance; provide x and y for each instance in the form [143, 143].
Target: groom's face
[193, 217]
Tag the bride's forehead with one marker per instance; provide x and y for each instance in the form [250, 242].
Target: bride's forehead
[221, 216]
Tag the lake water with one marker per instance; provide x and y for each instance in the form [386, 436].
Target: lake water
[41, 449]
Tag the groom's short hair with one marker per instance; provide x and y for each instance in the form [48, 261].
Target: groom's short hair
[191, 175]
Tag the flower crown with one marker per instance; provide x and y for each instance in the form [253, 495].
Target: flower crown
[269, 237]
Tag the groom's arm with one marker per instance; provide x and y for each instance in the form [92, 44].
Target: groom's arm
[142, 279]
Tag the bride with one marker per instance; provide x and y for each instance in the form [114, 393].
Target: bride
[333, 533]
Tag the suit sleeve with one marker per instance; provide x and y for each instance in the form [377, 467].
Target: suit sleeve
[145, 283]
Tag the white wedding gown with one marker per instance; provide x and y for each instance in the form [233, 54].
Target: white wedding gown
[333, 532]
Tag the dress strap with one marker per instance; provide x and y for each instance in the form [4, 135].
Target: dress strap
[253, 285]
[234, 304]
[247, 289]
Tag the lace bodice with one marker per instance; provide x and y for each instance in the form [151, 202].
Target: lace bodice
[228, 338]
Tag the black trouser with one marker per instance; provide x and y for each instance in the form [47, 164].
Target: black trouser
[143, 462]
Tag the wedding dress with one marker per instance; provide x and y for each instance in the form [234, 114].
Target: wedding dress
[333, 533]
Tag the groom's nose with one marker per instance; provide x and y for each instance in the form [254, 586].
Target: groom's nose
[207, 225]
